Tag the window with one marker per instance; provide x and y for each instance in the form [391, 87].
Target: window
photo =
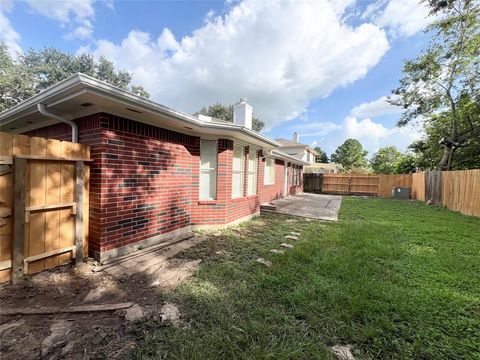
[269, 171]
[295, 175]
[238, 171]
[252, 172]
[208, 170]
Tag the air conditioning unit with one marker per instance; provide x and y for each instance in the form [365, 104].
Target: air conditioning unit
[401, 193]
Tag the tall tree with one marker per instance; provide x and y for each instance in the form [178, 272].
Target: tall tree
[225, 112]
[350, 154]
[16, 82]
[428, 153]
[444, 74]
[407, 164]
[322, 157]
[36, 70]
[386, 160]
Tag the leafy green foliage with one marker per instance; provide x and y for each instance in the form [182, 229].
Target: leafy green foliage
[393, 289]
[386, 160]
[408, 163]
[350, 154]
[225, 112]
[37, 70]
[444, 74]
[429, 154]
[16, 81]
[322, 158]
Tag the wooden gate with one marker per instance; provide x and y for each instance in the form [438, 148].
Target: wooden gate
[44, 194]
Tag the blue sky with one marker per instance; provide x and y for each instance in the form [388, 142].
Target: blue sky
[321, 68]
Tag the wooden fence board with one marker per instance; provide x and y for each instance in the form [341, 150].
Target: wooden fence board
[388, 182]
[67, 222]
[53, 186]
[312, 183]
[6, 196]
[461, 191]
[418, 186]
[433, 187]
[49, 178]
[37, 194]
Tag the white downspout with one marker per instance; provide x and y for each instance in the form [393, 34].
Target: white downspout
[43, 110]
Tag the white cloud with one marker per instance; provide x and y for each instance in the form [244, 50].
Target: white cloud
[75, 15]
[372, 135]
[375, 108]
[401, 17]
[280, 55]
[8, 35]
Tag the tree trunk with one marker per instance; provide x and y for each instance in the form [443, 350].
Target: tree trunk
[444, 163]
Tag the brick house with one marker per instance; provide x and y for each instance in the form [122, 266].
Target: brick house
[157, 172]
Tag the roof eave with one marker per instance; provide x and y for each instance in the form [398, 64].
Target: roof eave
[122, 95]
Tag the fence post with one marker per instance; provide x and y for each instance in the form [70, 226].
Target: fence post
[20, 167]
[79, 212]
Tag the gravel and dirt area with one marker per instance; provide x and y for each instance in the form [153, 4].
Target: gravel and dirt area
[91, 334]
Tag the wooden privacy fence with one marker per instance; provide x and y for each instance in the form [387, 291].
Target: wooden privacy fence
[456, 190]
[347, 184]
[460, 191]
[44, 202]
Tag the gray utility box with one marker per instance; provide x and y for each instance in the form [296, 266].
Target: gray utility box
[401, 193]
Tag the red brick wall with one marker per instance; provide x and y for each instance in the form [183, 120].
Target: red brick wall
[274, 191]
[145, 181]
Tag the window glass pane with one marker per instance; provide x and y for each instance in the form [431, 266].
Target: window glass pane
[236, 185]
[252, 172]
[208, 170]
[252, 184]
[238, 171]
[237, 158]
[269, 171]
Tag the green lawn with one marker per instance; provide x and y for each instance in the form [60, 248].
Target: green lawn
[396, 279]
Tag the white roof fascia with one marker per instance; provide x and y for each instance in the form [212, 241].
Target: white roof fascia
[106, 90]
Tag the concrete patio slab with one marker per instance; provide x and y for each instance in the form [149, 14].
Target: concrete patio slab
[311, 206]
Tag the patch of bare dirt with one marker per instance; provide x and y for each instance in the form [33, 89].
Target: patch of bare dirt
[97, 335]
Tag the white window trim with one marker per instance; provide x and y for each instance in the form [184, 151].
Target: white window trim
[252, 153]
[266, 179]
[209, 171]
[241, 171]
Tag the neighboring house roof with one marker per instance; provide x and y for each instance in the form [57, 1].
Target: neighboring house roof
[81, 95]
[285, 144]
[278, 154]
[325, 166]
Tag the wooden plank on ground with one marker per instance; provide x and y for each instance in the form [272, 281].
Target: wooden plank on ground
[70, 309]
